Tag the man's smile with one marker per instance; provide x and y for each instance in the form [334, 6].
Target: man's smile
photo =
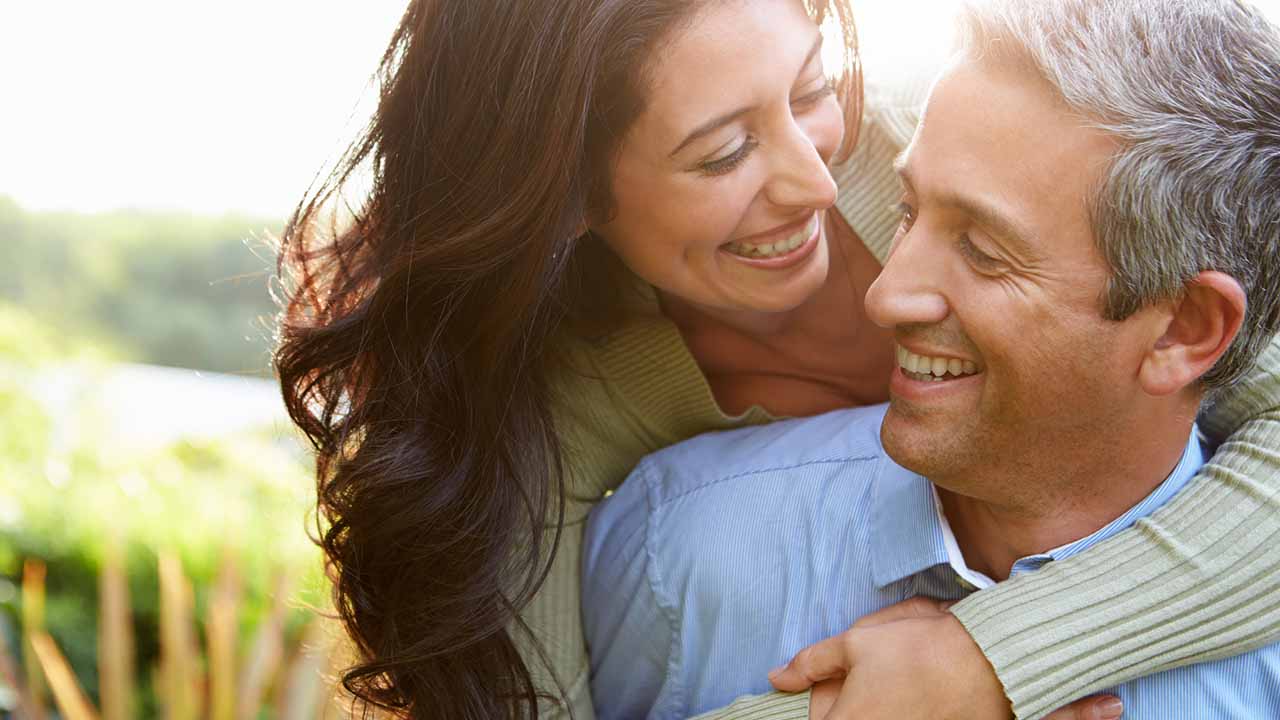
[924, 368]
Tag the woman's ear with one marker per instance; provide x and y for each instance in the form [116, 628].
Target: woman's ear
[1201, 327]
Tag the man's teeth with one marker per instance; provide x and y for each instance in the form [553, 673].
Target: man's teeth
[933, 368]
[781, 247]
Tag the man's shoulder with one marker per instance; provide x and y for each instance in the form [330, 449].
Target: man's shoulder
[703, 524]
[784, 472]
[840, 437]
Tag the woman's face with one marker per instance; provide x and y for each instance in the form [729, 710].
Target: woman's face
[721, 183]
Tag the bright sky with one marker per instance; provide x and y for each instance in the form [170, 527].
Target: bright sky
[197, 105]
[232, 105]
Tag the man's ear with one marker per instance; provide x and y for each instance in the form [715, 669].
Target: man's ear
[1201, 327]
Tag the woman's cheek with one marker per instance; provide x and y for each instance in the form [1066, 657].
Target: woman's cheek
[720, 208]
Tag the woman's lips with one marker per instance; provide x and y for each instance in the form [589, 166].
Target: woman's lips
[780, 253]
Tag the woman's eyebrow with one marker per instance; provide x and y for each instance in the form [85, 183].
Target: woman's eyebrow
[721, 120]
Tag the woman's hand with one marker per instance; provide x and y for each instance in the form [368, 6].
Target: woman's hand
[910, 661]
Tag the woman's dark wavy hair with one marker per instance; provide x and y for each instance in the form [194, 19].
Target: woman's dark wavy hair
[417, 334]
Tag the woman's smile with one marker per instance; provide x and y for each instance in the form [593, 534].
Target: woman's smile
[779, 249]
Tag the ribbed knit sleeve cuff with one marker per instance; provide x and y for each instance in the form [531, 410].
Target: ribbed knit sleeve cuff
[1196, 581]
[774, 706]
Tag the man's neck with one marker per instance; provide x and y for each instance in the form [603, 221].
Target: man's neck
[1077, 502]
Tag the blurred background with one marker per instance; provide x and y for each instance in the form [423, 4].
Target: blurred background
[154, 501]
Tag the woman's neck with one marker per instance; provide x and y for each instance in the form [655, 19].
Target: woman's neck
[822, 355]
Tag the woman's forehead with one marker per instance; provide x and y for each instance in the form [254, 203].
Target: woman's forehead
[729, 55]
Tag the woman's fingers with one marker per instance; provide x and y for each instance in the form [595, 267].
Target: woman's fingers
[827, 659]
[910, 661]
[924, 667]
[833, 657]
[822, 698]
[845, 708]
[1100, 707]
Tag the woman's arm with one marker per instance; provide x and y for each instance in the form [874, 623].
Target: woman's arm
[1199, 580]
[774, 706]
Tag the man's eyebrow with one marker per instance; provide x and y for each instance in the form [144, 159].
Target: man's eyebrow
[1000, 224]
[718, 122]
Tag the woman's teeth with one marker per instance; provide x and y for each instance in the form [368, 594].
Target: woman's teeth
[933, 369]
[781, 247]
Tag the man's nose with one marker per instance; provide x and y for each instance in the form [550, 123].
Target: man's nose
[800, 177]
[909, 289]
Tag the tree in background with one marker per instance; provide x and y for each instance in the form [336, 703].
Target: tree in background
[163, 288]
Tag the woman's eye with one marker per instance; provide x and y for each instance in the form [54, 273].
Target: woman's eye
[726, 164]
[980, 259]
[815, 97]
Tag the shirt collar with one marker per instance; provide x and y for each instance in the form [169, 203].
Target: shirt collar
[910, 534]
[906, 536]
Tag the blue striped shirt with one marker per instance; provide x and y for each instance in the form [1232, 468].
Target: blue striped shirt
[723, 556]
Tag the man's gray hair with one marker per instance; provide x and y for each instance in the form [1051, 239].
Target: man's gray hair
[1191, 90]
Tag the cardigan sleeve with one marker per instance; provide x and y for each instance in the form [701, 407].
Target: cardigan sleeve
[1197, 581]
[773, 706]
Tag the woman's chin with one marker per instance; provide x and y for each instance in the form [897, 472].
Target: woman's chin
[775, 298]
[727, 290]
[784, 293]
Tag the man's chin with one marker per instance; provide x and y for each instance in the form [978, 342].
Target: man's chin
[927, 446]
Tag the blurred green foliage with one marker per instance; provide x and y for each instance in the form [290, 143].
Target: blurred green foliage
[163, 288]
[67, 489]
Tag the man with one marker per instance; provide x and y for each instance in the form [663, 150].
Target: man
[1090, 244]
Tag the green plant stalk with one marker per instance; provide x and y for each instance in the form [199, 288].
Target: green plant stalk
[33, 575]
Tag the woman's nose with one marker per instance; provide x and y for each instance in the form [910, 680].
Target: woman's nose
[801, 177]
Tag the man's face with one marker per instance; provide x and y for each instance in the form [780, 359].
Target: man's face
[996, 280]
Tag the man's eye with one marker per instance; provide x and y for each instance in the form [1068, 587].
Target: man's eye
[980, 259]
[726, 164]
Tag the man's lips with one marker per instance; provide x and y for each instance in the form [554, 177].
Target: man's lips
[936, 366]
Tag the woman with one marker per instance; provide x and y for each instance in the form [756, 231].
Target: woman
[474, 354]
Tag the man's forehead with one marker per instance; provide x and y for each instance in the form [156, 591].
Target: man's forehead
[986, 210]
[999, 142]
